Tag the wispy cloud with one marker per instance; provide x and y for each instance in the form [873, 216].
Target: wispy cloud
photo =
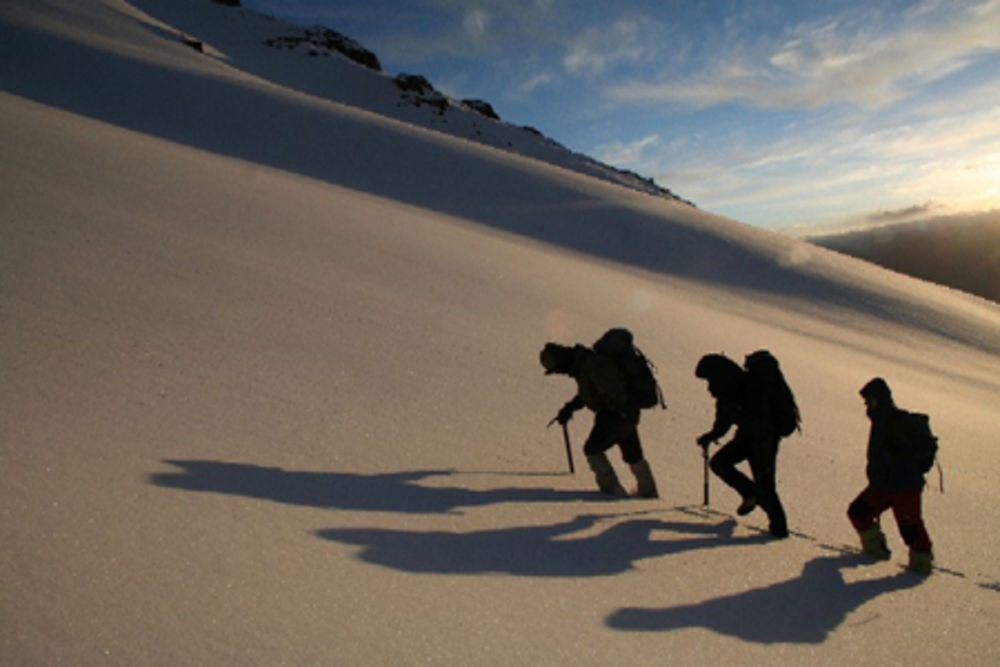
[424, 30]
[476, 22]
[870, 119]
[858, 58]
[532, 83]
[632, 153]
[598, 48]
[907, 214]
[837, 166]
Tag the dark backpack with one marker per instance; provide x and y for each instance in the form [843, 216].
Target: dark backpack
[635, 368]
[914, 437]
[766, 372]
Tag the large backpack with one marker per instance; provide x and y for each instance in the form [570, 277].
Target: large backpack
[765, 370]
[913, 435]
[636, 370]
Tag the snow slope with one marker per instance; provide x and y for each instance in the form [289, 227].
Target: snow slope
[271, 391]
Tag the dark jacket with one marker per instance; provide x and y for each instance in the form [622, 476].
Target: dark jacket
[890, 465]
[738, 400]
[600, 385]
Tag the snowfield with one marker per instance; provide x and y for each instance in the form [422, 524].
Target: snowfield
[271, 388]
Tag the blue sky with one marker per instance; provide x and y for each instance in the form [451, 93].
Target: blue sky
[776, 113]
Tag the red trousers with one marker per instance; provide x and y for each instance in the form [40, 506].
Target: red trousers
[870, 503]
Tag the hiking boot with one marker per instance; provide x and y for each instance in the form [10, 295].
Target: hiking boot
[644, 478]
[921, 562]
[748, 505]
[607, 480]
[778, 530]
[873, 543]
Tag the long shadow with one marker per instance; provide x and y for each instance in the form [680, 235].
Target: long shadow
[388, 492]
[804, 610]
[536, 551]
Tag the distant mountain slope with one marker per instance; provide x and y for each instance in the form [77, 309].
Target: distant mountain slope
[960, 253]
[327, 64]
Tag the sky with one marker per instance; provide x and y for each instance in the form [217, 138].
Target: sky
[779, 113]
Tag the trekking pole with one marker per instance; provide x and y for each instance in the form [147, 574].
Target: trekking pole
[704, 456]
[569, 449]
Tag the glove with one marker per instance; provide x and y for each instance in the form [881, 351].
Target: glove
[565, 414]
[705, 440]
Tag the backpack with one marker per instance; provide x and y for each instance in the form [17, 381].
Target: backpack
[763, 367]
[636, 370]
[914, 436]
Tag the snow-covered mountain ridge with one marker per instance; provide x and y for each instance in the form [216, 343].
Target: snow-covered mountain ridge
[320, 61]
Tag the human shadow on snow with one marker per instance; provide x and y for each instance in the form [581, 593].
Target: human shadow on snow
[804, 610]
[385, 492]
[538, 551]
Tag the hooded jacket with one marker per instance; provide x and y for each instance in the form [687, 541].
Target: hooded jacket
[890, 467]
